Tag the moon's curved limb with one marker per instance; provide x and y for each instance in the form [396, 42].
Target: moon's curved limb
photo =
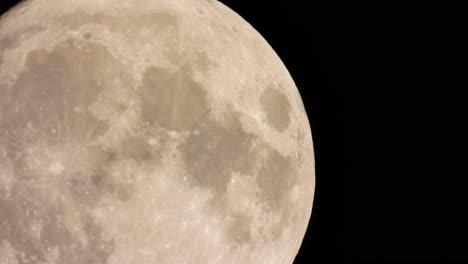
[144, 128]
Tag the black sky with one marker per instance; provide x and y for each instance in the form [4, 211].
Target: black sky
[377, 82]
[300, 34]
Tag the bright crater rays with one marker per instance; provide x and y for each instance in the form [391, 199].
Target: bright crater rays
[162, 131]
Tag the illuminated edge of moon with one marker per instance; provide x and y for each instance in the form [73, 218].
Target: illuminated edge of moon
[135, 55]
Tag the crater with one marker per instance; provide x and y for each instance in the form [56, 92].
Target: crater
[173, 100]
[200, 11]
[276, 107]
[87, 35]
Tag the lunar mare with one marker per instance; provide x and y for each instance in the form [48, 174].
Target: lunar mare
[148, 132]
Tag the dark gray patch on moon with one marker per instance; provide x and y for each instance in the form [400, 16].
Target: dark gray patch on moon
[238, 231]
[203, 63]
[215, 150]
[276, 108]
[49, 103]
[95, 181]
[15, 219]
[138, 149]
[87, 35]
[173, 100]
[13, 39]
[200, 11]
[50, 99]
[98, 156]
[276, 176]
[89, 189]
[8, 43]
[19, 216]
[53, 94]
[212, 154]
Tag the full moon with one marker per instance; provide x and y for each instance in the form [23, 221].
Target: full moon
[148, 131]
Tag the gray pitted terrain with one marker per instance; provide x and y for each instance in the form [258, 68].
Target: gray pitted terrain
[147, 132]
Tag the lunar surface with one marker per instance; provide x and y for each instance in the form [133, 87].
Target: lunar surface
[148, 131]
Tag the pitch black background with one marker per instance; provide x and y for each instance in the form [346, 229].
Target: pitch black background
[303, 36]
[297, 35]
[373, 80]
[377, 84]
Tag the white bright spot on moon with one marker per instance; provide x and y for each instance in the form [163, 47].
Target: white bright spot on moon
[152, 142]
[56, 168]
[78, 109]
[161, 131]
[7, 253]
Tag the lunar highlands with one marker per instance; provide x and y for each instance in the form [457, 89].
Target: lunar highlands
[148, 131]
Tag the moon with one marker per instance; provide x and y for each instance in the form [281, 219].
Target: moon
[135, 131]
